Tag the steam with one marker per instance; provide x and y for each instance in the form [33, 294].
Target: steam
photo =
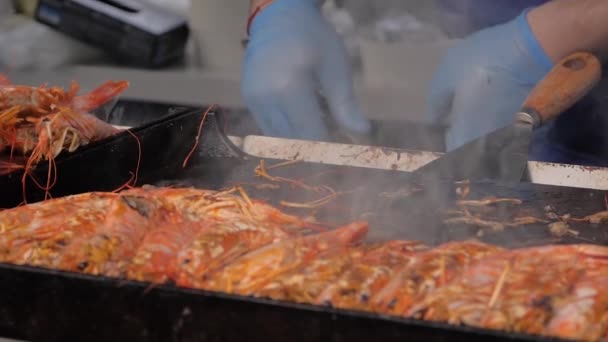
[364, 194]
[367, 193]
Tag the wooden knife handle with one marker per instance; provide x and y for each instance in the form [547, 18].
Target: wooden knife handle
[568, 82]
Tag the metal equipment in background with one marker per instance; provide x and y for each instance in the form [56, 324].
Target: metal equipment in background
[131, 31]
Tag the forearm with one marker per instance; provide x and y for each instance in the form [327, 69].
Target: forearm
[566, 26]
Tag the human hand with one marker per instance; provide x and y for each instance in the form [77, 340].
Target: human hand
[483, 80]
[292, 54]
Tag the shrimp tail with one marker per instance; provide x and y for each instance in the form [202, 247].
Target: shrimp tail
[99, 96]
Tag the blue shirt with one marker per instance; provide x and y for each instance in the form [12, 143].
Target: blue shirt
[484, 13]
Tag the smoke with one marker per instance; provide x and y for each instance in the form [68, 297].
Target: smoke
[395, 102]
[396, 207]
[395, 47]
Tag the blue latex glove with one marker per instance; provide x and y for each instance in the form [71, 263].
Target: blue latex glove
[484, 79]
[293, 53]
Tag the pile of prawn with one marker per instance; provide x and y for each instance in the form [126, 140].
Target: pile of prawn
[227, 242]
[38, 123]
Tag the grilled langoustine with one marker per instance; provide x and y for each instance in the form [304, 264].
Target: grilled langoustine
[116, 238]
[426, 271]
[233, 226]
[33, 216]
[222, 242]
[370, 273]
[556, 290]
[582, 314]
[40, 122]
[231, 204]
[157, 257]
[37, 234]
[250, 272]
[305, 283]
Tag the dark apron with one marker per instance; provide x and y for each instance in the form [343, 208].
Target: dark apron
[474, 15]
[580, 135]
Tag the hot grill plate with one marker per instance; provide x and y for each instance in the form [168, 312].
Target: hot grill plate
[45, 305]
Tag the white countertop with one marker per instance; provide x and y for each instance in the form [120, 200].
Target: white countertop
[206, 87]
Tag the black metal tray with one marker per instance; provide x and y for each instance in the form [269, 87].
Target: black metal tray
[42, 305]
[45, 305]
[108, 164]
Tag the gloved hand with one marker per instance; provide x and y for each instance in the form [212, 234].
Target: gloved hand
[292, 54]
[484, 79]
